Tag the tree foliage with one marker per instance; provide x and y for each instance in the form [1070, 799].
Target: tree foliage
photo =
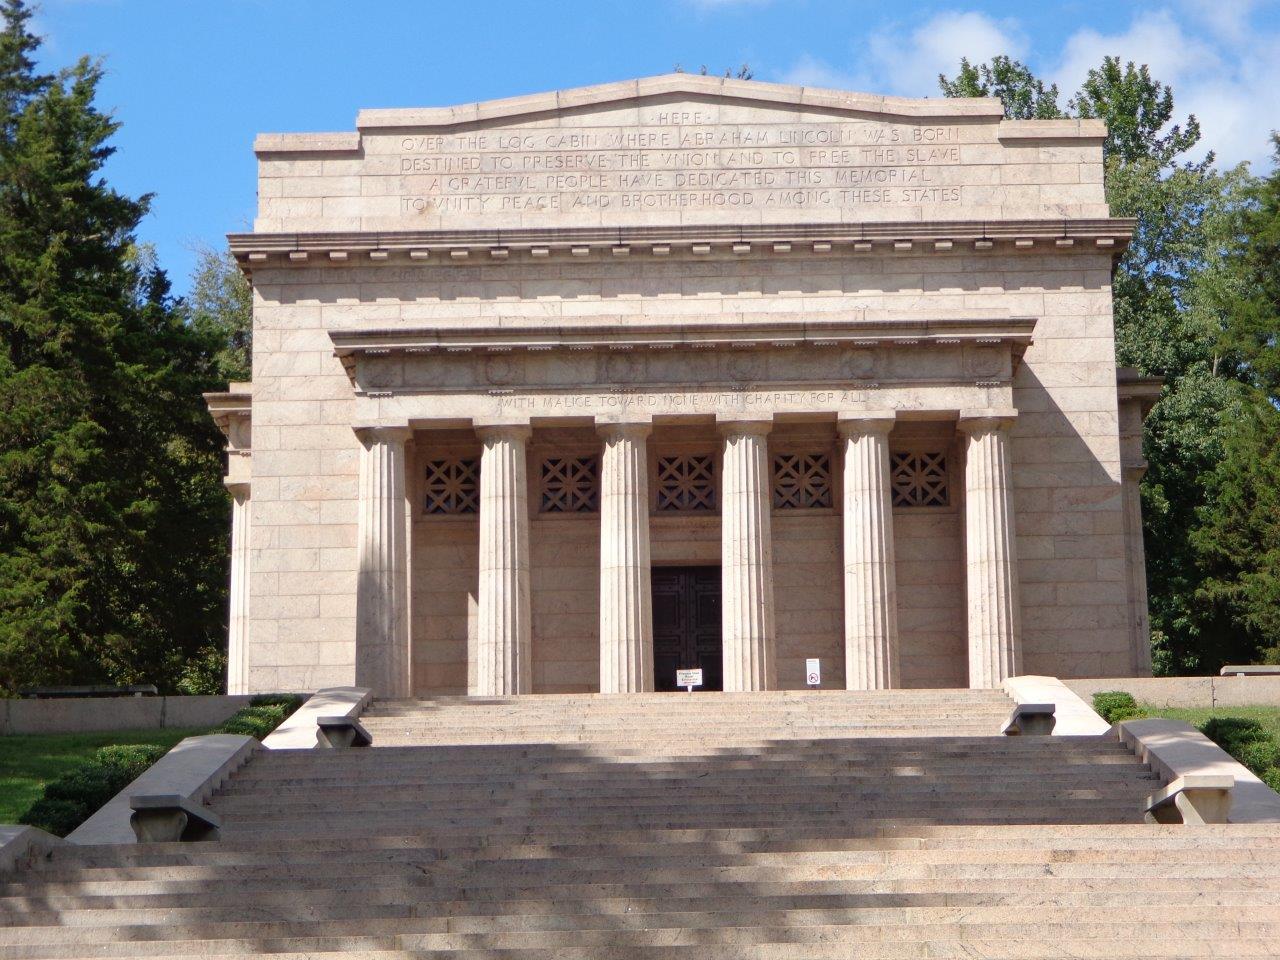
[1192, 305]
[112, 516]
[221, 308]
[1025, 97]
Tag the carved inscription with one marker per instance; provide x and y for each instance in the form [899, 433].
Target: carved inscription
[683, 161]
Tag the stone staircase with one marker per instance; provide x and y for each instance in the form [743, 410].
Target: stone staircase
[780, 825]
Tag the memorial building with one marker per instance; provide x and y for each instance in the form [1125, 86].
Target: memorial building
[565, 392]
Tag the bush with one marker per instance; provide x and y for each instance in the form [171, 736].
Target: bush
[1116, 705]
[73, 797]
[1232, 733]
[262, 716]
[205, 673]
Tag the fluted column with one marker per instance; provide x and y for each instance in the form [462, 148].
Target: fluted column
[870, 586]
[626, 591]
[747, 557]
[382, 586]
[990, 555]
[238, 620]
[503, 629]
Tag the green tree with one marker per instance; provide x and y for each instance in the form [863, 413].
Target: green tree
[221, 308]
[1175, 293]
[111, 513]
[1025, 97]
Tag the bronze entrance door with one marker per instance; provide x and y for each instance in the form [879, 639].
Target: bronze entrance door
[686, 625]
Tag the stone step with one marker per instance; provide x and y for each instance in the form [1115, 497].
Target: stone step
[262, 936]
[1003, 949]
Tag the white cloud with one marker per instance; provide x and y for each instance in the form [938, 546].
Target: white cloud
[1227, 77]
[907, 62]
[1218, 55]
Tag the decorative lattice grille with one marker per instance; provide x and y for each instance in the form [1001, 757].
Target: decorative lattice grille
[453, 486]
[570, 485]
[919, 479]
[801, 481]
[686, 483]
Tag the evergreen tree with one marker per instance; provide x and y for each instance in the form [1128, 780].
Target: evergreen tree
[111, 514]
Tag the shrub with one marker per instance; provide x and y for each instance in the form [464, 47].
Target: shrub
[263, 715]
[205, 673]
[73, 797]
[1232, 733]
[1116, 705]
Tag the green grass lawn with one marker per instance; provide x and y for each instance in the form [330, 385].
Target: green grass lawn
[27, 763]
[1269, 717]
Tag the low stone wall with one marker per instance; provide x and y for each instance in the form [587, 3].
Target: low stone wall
[76, 715]
[1187, 691]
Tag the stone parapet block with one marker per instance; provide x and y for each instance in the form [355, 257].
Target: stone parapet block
[1174, 748]
[1073, 717]
[301, 731]
[20, 846]
[193, 770]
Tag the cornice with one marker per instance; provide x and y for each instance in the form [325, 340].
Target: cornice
[856, 329]
[428, 247]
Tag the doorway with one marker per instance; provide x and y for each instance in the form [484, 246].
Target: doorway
[686, 626]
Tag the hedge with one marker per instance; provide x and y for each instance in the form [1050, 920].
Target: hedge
[73, 797]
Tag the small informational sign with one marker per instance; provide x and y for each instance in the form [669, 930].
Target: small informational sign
[689, 679]
[813, 672]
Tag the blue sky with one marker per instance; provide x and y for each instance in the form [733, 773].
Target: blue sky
[194, 80]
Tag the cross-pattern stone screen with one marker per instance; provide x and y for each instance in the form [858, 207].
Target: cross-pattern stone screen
[686, 483]
[453, 486]
[801, 481]
[570, 485]
[919, 479]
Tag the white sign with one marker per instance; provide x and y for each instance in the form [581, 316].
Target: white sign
[689, 679]
[813, 672]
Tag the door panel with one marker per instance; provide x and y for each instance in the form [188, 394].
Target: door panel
[686, 625]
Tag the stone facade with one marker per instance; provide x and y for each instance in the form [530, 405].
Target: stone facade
[855, 351]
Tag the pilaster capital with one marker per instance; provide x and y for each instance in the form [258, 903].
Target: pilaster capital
[370, 435]
[982, 421]
[503, 429]
[1134, 471]
[730, 426]
[628, 428]
[865, 422]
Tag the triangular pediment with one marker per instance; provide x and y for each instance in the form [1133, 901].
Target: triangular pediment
[694, 89]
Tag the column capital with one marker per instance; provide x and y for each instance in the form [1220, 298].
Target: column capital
[986, 420]
[865, 422]
[383, 434]
[503, 429]
[731, 426]
[628, 428]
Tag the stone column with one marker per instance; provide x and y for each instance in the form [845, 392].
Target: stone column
[626, 592]
[991, 565]
[238, 620]
[382, 585]
[747, 557]
[870, 585]
[503, 629]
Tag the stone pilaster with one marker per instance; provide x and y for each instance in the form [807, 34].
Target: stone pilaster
[870, 586]
[238, 618]
[747, 557]
[503, 629]
[626, 591]
[1135, 557]
[382, 585]
[991, 565]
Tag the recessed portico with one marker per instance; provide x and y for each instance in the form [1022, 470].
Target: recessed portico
[728, 432]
